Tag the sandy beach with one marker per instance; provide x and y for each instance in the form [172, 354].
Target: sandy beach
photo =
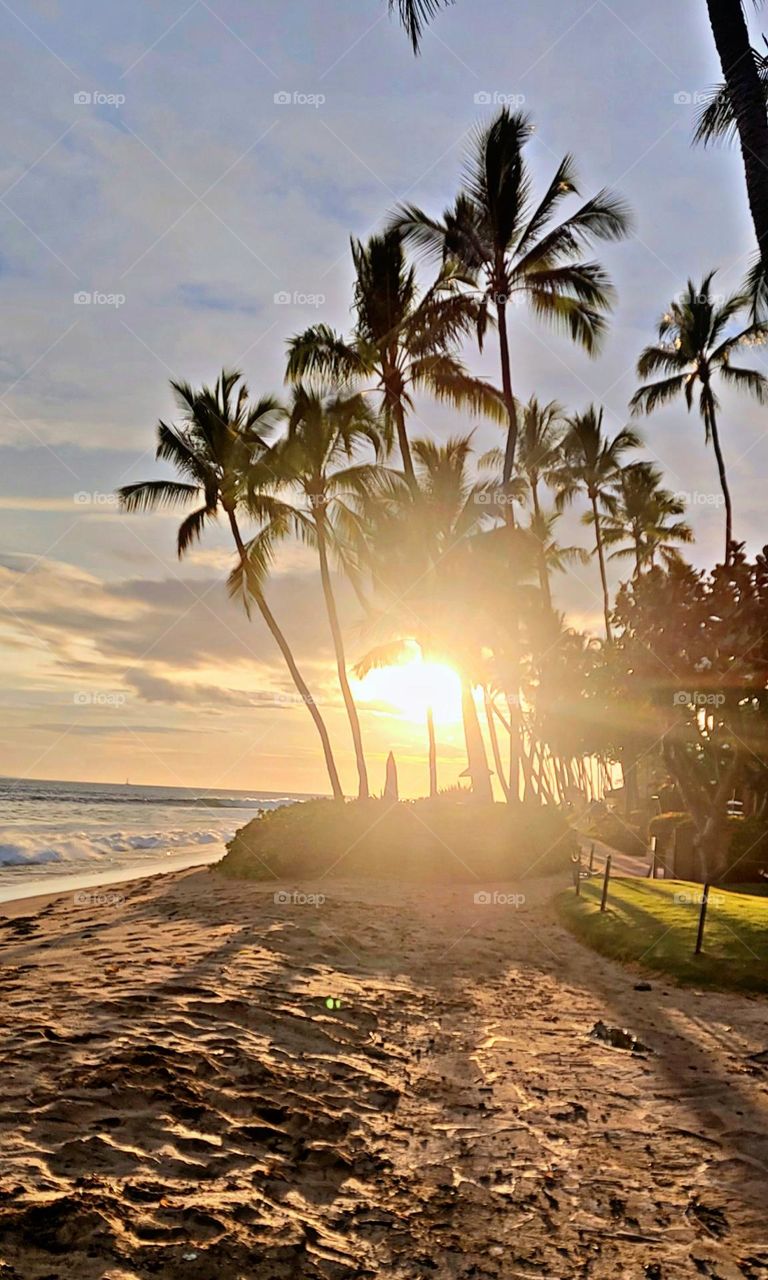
[200, 1081]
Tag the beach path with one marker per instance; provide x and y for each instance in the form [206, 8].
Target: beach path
[202, 1081]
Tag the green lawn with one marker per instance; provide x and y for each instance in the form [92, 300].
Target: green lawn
[654, 923]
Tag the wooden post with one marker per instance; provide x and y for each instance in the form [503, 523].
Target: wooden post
[592, 858]
[702, 920]
[652, 868]
[576, 860]
[606, 878]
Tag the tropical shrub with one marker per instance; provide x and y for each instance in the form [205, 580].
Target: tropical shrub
[441, 839]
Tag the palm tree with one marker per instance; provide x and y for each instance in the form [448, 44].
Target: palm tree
[315, 460]
[747, 101]
[403, 340]
[216, 450]
[415, 14]
[693, 348]
[591, 465]
[647, 518]
[716, 120]
[511, 250]
[552, 557]
[415, 547]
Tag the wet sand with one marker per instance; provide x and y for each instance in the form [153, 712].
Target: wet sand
[200, 1081]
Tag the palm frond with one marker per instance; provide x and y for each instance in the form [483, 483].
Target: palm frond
[153, 495]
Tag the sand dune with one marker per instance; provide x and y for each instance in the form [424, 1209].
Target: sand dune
[201, 1082]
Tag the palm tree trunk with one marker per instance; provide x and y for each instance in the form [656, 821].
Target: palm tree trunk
[477, 761]
[603, 573]
[731, 34]
[290, 662]
[404, 443]
[494, 738]
[715, 434]
[544, 583]
[341, 662]
[509, 399]
[432, 753]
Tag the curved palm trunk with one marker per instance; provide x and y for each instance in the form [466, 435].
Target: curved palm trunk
[509, 399]
[432, 753]
[477, 762]
[341, 662]
[729, 28]
[603, 573]
[290, 662]
[715, 434]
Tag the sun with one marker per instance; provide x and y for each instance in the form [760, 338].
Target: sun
[412, 687]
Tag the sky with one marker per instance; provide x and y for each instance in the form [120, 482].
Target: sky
[179, 184]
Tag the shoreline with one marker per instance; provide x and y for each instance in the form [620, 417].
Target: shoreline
[54, 886]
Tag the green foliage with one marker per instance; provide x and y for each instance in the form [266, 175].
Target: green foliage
[654, 922]
[615, 831]
[443, 839]
[748, 853]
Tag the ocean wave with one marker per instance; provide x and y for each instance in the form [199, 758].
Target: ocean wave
[90, 847]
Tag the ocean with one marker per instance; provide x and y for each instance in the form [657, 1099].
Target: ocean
[57, 832]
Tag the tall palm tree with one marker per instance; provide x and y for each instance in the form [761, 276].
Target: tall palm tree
[747, 100]
[591, 465]
[647, 519]
[716, 121]
[316, 461]
[696, 343]
[216, 449]
[511, 250]
[403, 340]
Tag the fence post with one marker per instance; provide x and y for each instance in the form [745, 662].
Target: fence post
[652, 868]
[606, 878]
[702, 920]
[576, 863]
[592, 858]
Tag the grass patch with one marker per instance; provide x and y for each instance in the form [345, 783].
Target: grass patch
[654, 923]
[444, 839]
